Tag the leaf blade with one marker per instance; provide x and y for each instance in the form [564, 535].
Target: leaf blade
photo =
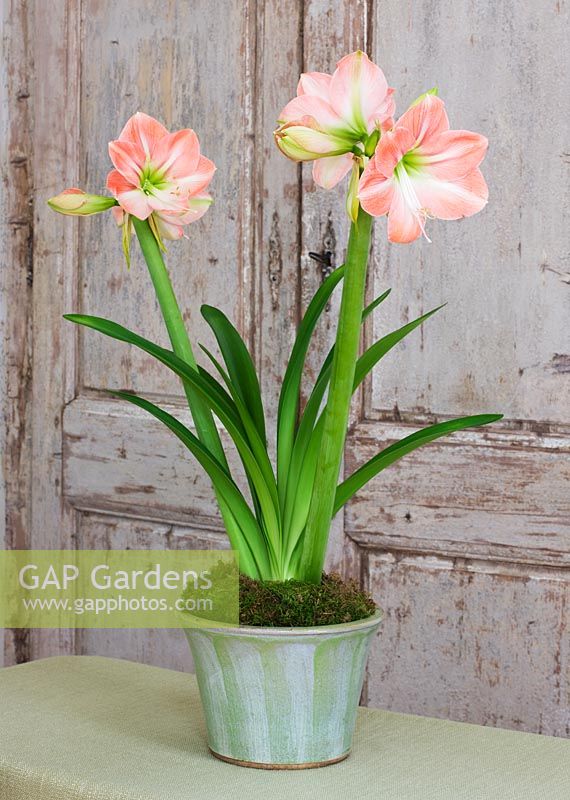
[380, 348]
[252, 550]
[306, 429]
[226, 412]
[397, 450]
[239, 363]
[290, 388]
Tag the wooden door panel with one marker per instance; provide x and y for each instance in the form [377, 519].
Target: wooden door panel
[126, 480]
[467, 541]
[16, 271]
[168, 647]
[502, 343]
[471, 640]
[162, 64]
[478, 492]
[118, 473]
[117, 457]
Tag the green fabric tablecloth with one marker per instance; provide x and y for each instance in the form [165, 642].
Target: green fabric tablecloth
[100, 729]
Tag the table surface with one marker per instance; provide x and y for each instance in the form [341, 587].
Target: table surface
[103, 729]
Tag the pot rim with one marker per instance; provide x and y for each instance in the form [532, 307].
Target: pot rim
[315, 630]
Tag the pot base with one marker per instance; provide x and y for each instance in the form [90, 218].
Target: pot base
[260, 765]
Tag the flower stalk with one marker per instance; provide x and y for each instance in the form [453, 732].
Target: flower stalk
[164, 292]
[338, 403]
[178, 335]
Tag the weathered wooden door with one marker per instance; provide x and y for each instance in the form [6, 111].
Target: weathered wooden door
[465, 543]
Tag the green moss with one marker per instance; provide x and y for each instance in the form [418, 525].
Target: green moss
[298, 604]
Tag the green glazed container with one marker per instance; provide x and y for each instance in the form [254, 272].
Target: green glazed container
[281, 698]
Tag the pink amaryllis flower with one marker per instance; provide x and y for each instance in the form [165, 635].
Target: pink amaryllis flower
[159, 176]
[333, 117]
[421, 169]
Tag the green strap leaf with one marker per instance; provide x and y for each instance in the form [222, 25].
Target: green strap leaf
[399, 449]
[305, 450]
[363, 366]
[247, 537]
[250, 431]
[375, 303]
[316, 397]
[289, 396]
[248, 423]
[197, 379]
[378, 350]
[263, 481]
[240, 366]
[301, 491]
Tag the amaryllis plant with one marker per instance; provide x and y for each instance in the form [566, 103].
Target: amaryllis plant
[411, 171]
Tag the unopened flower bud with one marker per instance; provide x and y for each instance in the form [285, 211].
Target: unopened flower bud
[76, 202]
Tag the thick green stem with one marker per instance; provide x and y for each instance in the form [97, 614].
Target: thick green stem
[201, 413]
[338, 404]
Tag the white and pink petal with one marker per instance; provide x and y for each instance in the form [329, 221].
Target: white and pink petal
[383, 116]
[172, 199]
[168, 225]
[403, 222]
[128, 159]
[144, 131]
[425, 119]
[453, 199]
[171, 225]
[316, 84]
[196, 208]
[310, 106]
[375, 191]
[451, 154]
[200, 178]
[118, 215]
[327, 172]
[391, 148]
[358, 91]
[133, 200]
[176, 155]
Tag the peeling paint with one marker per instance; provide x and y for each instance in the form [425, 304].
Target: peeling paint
[275, 261]
[560, 363]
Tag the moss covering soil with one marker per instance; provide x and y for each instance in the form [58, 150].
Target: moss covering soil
[294, 604]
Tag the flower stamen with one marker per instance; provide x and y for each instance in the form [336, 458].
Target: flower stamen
[410, 197]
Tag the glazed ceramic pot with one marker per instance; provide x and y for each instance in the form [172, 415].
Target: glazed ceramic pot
[281, 698]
